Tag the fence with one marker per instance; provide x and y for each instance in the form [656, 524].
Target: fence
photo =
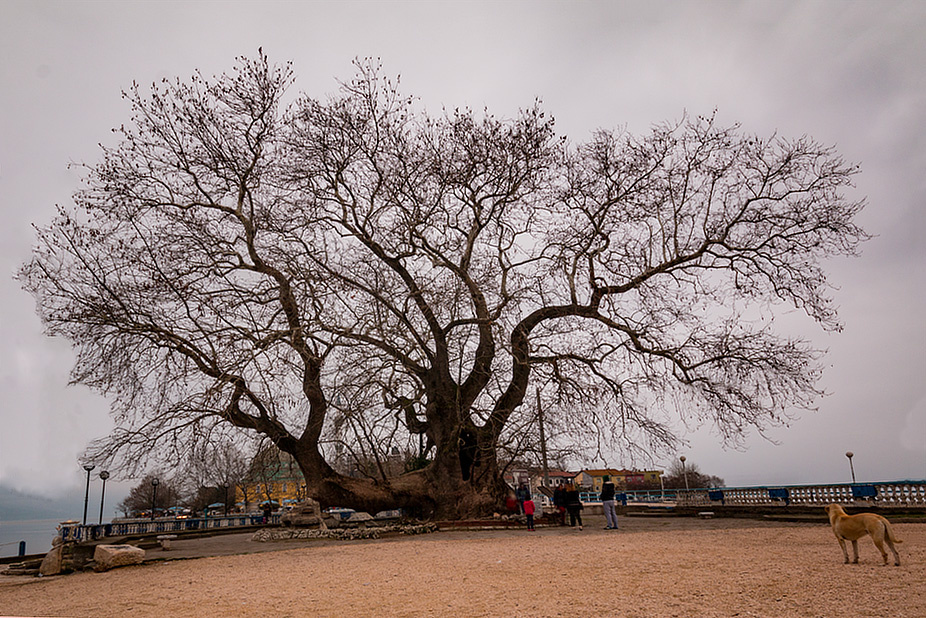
[908, 494]
[903, 494]
[140, 527]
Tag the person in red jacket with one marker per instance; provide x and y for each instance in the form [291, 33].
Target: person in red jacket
[529, 512]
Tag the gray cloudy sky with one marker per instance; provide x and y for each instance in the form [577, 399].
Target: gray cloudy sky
[850, 74]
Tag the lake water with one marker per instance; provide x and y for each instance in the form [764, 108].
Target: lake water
[37, 533]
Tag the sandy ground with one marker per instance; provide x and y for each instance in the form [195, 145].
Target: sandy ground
[650, 567]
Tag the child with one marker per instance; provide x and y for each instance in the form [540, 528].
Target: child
[529, 512]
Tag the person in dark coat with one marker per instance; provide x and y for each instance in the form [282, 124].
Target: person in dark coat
[573, 505]
[522, 493]
[559, 502]
[607, 503]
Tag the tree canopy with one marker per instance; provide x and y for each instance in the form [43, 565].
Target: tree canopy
[353, 275]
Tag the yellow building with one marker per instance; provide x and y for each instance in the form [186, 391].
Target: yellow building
[622, 479]
[273, 476]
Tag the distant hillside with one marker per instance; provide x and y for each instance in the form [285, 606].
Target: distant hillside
[17, 506]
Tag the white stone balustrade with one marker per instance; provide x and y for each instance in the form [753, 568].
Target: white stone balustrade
[910, 494]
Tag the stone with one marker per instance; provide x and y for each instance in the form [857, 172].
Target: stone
[165, 539]
[359, 518]
[51, 563]
[108, 557]
[307, 514]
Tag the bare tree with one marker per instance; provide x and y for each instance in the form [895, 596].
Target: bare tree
[145, 495]
[218, 467]
[675, 477]
[351, 274]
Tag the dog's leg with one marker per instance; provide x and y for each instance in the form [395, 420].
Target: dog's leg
[882, 534]
[890, 538]
[890, 544]
[845, 553]
[854, 552]
[879, 543]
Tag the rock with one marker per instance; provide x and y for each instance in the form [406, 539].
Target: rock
[359, 518]
[307, 514]
[111, 556]
[388, 516]
[27, 567]
[51, 564]
[165, 539]
[418, 528]
[342, 534]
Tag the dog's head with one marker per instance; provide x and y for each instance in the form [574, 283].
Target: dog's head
[834, 509]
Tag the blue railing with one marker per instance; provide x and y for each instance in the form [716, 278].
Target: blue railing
[899, 493]
[909, 494]
[138, 527]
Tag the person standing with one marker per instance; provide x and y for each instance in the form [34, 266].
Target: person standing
[522, 494]
[607, 502]
[529, 513]
[268, 511]
[559, 502]
[573, 505]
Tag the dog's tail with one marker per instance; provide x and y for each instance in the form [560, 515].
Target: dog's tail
[890, 532]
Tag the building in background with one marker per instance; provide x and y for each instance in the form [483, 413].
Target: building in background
[591, 480]
[273, 476]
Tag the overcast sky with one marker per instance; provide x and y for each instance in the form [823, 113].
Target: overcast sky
[849, 74]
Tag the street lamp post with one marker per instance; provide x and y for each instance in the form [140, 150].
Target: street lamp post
[154, 495]
[684, 470]
[103, 475]
[850, 454]
[88, 468]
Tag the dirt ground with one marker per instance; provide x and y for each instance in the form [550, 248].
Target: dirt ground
[650, 567]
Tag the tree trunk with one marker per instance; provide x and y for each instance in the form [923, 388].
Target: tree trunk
[462, 481]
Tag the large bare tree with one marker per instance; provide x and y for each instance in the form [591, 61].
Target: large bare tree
[353, 275]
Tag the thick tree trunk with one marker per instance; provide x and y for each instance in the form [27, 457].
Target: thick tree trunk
[462, 481]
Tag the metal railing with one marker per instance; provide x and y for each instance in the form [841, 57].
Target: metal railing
[164, 525]
[908, 494]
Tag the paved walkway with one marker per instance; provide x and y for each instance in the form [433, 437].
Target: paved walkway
[241, 543]
[218, 545]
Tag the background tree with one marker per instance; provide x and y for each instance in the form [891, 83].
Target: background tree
[232, 262]
[218, 467]
[674, 478]
[143, 495]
